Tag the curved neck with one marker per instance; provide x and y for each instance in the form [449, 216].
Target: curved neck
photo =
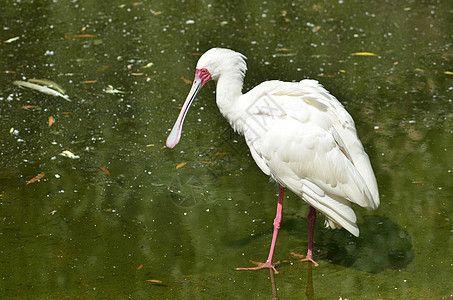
[228, 92]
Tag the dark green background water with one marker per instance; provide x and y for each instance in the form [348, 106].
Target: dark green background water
[190, 227]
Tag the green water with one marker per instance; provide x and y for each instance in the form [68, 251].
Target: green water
[79, 233]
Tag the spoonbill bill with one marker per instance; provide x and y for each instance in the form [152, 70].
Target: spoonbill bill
[298, 134]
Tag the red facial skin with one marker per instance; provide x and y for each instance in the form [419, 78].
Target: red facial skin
[204, 75]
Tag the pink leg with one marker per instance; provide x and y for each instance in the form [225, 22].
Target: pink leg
[311, 218]
[277, 222]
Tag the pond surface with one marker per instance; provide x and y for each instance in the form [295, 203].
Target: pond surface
[126, 217]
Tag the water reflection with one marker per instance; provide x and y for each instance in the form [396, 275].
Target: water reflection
[382, 244]
[309, 288]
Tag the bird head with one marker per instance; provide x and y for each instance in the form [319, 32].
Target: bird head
[211, 65]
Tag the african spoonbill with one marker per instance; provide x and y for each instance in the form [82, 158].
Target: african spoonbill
[298, 134]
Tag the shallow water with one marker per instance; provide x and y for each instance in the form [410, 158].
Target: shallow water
[103, 224]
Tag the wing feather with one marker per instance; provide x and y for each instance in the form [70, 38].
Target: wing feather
[311, 147]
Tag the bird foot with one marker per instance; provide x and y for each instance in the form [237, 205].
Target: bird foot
[308, 258]
[260, 265]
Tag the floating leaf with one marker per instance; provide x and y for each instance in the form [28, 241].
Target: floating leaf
[29, 106]
[448, 72]
[148, 65]
[85, 35]
[154, 281]
[103, 69]
[40, 88]
[11, 40]
[48, 83]
[89, 81]
[37, 177]
[139, 267]
[105, 170]
[181, 165]
[51, 121]
[69, 154]
[186, 80]
[111, 90]
[364, 54]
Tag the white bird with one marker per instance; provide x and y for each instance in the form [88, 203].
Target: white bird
[298, 134]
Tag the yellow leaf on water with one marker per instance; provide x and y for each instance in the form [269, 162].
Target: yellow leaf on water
[181, 165]
[51, 121]
[364, 54]
[448, 72]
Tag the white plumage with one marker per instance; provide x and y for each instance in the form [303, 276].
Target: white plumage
[298, 134]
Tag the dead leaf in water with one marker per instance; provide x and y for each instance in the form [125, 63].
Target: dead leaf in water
[186, 80]
[154, 281]
[11, 40]
[48, 83]
[45, 89]
[69, 154]
[148, 65]
[180, 165]
[139, 267]
[364, 54]
[105, 170]
[36, 178]
[85, 35]
[111, 90]
[51, 121]
[103, 69]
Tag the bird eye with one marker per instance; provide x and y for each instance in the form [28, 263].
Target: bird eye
[204, 71]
